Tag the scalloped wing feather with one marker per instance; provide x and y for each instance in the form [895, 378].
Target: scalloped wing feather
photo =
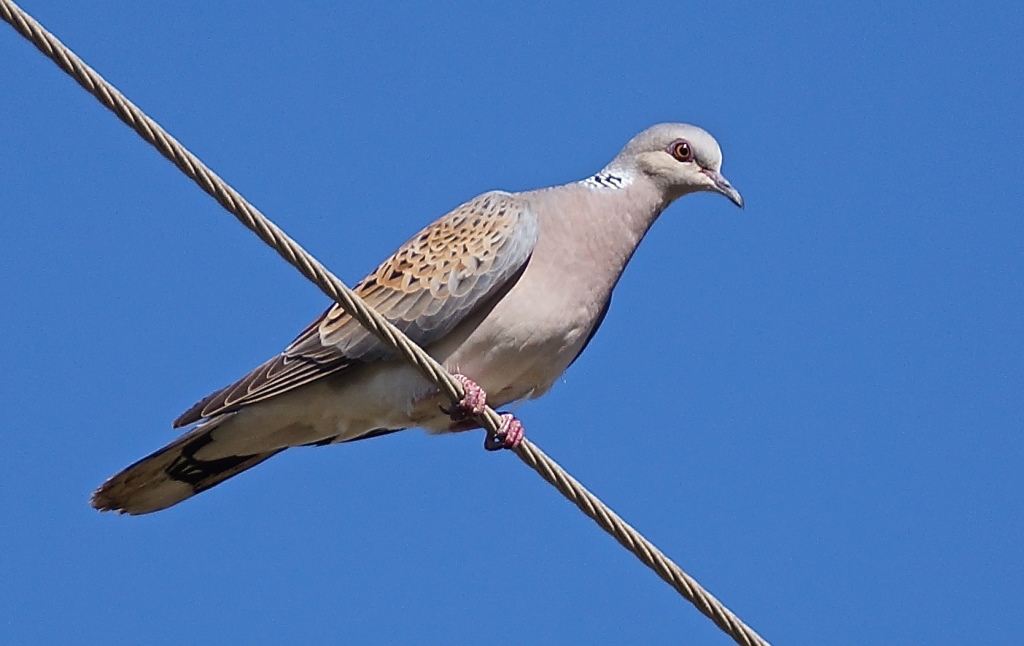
[425, 289]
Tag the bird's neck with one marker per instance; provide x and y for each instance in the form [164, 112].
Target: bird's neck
[611, 177]
[618, 217]
[600, 220]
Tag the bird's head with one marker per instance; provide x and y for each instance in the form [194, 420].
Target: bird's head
[680, 159]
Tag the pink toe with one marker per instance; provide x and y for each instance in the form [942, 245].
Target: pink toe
[513, 431]
[510, 434]
[473, 403]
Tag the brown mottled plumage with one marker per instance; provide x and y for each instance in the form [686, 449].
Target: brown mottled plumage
[424, 289]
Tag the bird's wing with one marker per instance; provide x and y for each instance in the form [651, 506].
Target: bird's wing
[425, 289]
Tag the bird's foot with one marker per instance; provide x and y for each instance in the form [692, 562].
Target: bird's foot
[509, 434]
[466, 413]
[473, 403]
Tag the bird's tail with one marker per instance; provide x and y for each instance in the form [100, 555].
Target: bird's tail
[172, 474]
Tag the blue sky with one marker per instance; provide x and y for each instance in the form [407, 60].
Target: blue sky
[813, 405]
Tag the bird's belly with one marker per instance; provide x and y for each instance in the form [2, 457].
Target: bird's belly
[514, 350]
[517, 363]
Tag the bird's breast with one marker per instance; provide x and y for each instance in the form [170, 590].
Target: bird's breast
[522, 345]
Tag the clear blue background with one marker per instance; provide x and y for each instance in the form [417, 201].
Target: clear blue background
[813, 406]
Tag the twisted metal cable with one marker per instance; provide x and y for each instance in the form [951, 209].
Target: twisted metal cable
[312, 269]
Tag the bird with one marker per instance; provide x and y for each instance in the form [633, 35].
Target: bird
[505, 291]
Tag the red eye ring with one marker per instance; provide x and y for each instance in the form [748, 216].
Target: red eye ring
[681, 150]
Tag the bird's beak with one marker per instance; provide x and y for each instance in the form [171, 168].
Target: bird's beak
[723, 186]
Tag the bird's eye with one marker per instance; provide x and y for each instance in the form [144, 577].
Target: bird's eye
[681, 150]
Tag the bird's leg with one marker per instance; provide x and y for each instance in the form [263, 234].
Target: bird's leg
[465, 413]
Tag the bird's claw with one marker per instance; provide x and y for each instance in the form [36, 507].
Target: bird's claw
[509, 434]
[473, 403]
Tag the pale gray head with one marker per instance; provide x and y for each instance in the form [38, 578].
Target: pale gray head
[679, 158]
